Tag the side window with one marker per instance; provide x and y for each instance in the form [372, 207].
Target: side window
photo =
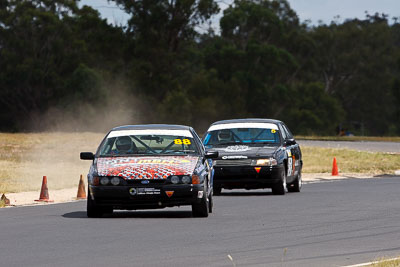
[288, 133]
[196, 136]
[283, 132]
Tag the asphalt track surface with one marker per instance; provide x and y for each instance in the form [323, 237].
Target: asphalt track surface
[387, 147]
[327, 224]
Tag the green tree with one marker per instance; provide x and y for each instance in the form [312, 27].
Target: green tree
[355, 62]
[163, 33]
[45, 48]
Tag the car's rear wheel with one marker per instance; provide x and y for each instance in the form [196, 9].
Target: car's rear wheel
[296, 185]
[217, 190]
[201, 209]
[92, 210]
[280, 187]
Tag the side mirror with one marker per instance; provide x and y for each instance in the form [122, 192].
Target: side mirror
[211, 154]
[87, 156]
[290, 142]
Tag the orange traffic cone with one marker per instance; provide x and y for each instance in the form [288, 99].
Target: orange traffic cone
[5, 200]
[81, 189]
[44, 192]
[335, 171]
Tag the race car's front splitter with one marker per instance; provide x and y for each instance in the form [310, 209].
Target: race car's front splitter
[146, 196]
[248, 177]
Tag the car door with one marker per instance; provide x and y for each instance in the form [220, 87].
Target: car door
[293, 151]
[207, 162]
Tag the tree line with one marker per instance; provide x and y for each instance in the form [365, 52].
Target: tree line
[263, 63]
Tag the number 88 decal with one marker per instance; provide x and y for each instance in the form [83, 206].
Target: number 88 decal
[182, 141]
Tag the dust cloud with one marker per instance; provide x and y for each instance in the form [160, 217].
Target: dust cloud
[59, 136]
[117, 108]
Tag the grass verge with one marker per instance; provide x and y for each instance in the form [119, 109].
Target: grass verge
[350, 138]
[319, 160]
[26, 158]
[386, 263]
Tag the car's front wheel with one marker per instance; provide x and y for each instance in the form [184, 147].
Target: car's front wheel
[210, 203]
[201, 209]
[92, 210]
[280, 187]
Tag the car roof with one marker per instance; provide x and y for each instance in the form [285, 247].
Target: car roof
[151, 126]
[250, 120]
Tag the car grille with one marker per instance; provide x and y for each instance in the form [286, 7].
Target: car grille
[233, 162]
[151, 181]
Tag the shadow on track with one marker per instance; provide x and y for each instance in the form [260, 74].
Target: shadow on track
[133, 214]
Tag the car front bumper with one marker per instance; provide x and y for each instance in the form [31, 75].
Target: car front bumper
[232, 177]
[146, 196]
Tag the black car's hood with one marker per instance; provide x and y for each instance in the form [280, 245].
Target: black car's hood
[244, 151]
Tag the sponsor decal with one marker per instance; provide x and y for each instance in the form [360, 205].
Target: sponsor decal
[132, 191]
[148, 191]
[182, 141]
[273, 131]
[237, 148]
[145, 182]
[260, 125]
[146, 167]
[184, 133]
[291, 163]
[169, 193]
[234, 157]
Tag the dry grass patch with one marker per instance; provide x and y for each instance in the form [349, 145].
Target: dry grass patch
[386, 263]
[26, 158]
[319, 160]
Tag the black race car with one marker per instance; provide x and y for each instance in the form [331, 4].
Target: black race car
[150, 166]
[254, 153]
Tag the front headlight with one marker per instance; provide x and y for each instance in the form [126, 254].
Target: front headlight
[115, 181]
[186, 179]
[174, 179]
[104, 180]
[266, 162]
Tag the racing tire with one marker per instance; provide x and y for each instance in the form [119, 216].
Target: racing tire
[201, 209]
[217, 190]
[210, 204]
[109, 210]
[281, 187]
[296, 185]
[92, 210]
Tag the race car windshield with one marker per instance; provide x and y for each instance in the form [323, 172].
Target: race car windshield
[255, 136]
[145, 144]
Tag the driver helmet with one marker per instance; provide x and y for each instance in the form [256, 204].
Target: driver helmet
[225, 135]
[124, 143]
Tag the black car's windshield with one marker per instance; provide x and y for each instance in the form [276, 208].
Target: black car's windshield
[248, 136]
[145, 142]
